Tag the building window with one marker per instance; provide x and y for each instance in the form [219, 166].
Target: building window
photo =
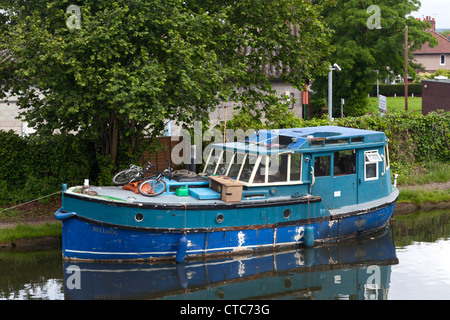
[442, 59]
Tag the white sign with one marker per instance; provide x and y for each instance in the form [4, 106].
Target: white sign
[382, 104]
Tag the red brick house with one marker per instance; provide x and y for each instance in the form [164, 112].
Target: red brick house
[434, 58]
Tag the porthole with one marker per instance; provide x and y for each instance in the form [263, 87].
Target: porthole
[287, 283]
[219, 218]
[287, 213]
[139, 217]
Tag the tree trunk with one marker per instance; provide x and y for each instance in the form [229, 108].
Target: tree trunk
[109, 137]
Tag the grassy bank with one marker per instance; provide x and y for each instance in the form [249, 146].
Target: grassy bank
[29, 231]
[420, 196]
[426, 183]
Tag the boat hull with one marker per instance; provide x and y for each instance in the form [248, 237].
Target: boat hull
[87, 239]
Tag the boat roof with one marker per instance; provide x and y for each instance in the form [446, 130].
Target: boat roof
[300, 139]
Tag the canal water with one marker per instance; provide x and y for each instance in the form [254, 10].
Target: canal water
[411, 260]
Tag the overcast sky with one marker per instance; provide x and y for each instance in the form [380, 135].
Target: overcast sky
[437, 9]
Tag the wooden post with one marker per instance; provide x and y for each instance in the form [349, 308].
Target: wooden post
[406, 68]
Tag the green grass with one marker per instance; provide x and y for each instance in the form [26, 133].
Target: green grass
[424, 173]
[419, 197]
[397, 104]
[22, 231]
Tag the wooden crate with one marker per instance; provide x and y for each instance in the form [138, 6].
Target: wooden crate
[230, 190]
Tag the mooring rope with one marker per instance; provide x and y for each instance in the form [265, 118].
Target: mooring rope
[49, 195]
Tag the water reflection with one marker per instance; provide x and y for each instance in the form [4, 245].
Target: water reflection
[423, 249]
[31, 275]
[351, 270]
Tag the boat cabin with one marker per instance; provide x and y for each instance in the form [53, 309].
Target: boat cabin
[344, 166]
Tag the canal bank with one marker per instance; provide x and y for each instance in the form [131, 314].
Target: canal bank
[426, 197]
[34, 227]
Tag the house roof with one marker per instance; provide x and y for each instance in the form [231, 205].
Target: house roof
[443, 46]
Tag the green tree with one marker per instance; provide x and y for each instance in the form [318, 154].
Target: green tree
[131, 65]
[368, 39]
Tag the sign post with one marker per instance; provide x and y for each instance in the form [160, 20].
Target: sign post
[382, 104]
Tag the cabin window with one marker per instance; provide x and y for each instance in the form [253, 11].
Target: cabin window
[371, 159]
[260, 174]
[336, 141]
[322, 166]
[212, 161]
[224, 161]
[278, 168]
[344, 162]
[234, 168]
[247, 168]
[296, 167]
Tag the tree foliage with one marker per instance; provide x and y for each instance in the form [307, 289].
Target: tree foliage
[134, 64]
[361, 47]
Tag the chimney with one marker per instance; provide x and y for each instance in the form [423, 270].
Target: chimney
[431, 21]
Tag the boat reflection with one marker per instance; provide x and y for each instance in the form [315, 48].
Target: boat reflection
[358, 269]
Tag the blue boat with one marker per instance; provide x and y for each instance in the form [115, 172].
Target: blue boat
[279, 188]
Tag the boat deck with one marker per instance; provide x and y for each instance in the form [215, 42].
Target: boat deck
[119, 195]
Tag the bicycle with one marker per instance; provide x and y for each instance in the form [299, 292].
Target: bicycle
[154, 186]
[132, 174]
[136, 173]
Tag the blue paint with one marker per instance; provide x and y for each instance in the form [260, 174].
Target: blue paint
[309, 236]
[181, 251]
[60, 215]
[113, 243]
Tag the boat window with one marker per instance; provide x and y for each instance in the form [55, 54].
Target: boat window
[371, 159]
[224, 161]
[214, 158]
[357, 139]
[344, 162]
[278, 168]
[235, 166]
[336, 141]
[260, 174]
[247, 168]
[322, 166]
[296, 167]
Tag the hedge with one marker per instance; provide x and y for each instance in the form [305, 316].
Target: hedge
[412, 136]
[398, 89]
[31, 167]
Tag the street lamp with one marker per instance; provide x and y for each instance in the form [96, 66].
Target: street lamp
[330, 88]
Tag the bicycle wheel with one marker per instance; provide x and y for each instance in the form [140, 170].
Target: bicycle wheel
[152, 187]
[125, 176]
